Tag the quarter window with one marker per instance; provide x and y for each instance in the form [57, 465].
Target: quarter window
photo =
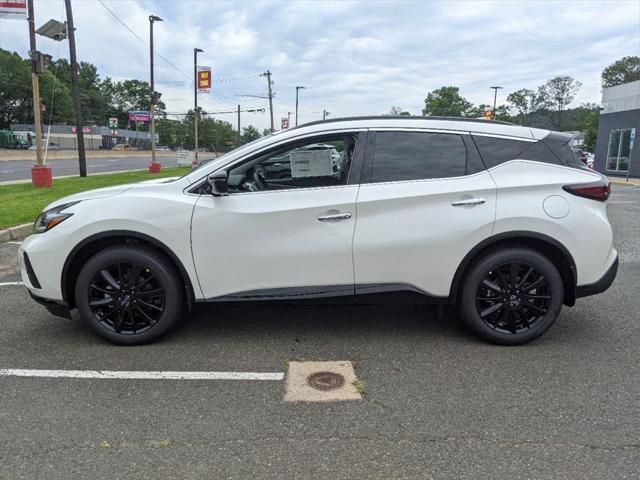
[418, 155]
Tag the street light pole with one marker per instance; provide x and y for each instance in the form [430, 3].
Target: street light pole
[154, 167]
[495, 98]
[324, 114]
[297, 90]
[196, 115]
[76, 89]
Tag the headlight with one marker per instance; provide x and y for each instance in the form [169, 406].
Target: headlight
[49, 219]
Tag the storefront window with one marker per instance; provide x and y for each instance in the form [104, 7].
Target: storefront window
[620, 144]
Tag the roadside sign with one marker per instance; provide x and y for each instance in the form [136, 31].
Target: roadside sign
[185, 157]
[204, 79]
[113, 122]
[13, 9]
[84, 130]
[139, 116]
[284, 123]
[488, 113]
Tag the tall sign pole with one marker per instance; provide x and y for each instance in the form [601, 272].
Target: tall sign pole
[196, 113]
[154, 167]
[76, 89]
[35, 85]
[239, 136]
[297, 91]
[268, 75]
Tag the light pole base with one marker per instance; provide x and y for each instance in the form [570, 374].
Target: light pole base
[41, 176]
[155, 167]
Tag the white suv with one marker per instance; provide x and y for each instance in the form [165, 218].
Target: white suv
[502, 221]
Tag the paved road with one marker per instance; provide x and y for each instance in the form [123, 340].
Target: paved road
[11, 170]
[439, 403]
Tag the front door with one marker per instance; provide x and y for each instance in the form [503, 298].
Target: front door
[286, 228]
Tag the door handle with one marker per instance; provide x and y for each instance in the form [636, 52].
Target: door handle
[334, 217]
[467, 201]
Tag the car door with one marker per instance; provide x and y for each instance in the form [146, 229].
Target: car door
[425, 201]
[284, 237]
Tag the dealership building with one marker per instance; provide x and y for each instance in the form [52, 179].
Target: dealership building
[94, 137]
[617, 152]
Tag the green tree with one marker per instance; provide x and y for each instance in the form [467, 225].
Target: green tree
[625, 70]
[447, 102]
[526, 101]
[249, 134]
[586, 118]
[559, 92]
[15, 89]
[57, 99]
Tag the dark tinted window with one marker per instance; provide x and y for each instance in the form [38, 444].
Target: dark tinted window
[559, 143]
[495, 151]
[417, 155]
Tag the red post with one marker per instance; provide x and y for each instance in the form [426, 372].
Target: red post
[41, 176]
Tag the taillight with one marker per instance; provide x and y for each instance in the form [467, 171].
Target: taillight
[599, 190]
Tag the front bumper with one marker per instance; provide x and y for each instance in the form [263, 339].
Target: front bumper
[600, 285]
[57, 308]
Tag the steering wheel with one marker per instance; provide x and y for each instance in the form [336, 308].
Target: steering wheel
[260, 181]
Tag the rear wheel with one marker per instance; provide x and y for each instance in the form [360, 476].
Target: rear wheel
[129, 295]
[511, 296]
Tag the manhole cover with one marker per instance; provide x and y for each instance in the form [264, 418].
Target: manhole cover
[325, 380]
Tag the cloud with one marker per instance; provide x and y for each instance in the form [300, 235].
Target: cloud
[354, 58]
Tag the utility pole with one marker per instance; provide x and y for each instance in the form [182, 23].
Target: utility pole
[495, 97]
[238, 143]
[37, 120]
[268, 75]
[154, 167]
[289, 119]
[82, 160]
[324, 114]
[196, 113]
[297, 90]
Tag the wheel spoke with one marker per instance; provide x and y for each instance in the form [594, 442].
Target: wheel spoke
[513, 275]
[101, 290]
[109, 279]
[538, 283]
[538, 297]
[489, 284]
[117, 325]
[149, 305]
[535, 307]
[525, 277]
[491, 309]
[133, 275]
[115, 309]
[150, 320]
[102, 302]
[150, 293]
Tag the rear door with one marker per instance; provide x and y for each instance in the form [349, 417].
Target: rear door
[425, 201]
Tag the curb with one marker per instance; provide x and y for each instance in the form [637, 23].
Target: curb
[16, 233]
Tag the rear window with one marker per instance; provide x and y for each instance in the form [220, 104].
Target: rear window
[418, 155]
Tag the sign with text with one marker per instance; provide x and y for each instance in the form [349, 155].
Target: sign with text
[13, 9]
[204, 79]
[113, 122]
[84, 130]
[139, 116]
[284, 123]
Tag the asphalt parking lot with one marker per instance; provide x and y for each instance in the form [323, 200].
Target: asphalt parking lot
[438, 402]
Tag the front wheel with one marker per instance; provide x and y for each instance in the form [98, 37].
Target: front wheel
[129, 295]
[511, 296]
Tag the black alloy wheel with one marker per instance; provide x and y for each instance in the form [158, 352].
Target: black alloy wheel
[511, 295]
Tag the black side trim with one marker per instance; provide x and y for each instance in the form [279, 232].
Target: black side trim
[601, 285]
[361, 293]
[127, 234]
[59, 309]
[287, 293]
[570, 283]
[30, 272]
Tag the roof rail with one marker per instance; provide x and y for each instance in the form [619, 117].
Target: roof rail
[406, 117]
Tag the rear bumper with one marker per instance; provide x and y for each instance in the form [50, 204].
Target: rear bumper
[59, 309]
[601, 285]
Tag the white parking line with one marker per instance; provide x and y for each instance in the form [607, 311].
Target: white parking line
[13, 243]
[6, 284]
[133, 375]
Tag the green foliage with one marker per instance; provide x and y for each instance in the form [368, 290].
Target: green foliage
[558, 93]
[625, 70]
[22, 203]
[447, 102]
[16, 104]
[526, 101]
[397, 112]
[249, 134]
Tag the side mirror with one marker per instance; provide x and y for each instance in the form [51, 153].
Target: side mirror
[219, 183]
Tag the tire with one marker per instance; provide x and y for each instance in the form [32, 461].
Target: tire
[129, 295]
[511, 296]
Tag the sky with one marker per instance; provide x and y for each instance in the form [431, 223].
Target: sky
[354, 58]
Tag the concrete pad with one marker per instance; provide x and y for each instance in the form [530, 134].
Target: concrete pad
[297, 388]
[21, 231]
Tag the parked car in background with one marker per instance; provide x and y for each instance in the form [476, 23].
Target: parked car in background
[122, 146]
[502, 221]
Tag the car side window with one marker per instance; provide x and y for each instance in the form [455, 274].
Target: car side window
[495, 151]
[317, 162]
[418, 155]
